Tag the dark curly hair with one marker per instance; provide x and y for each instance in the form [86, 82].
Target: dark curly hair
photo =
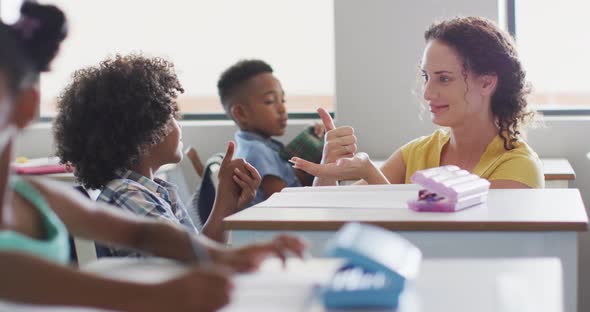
[234, 77]
[486, 49]
[111, 113]
[29, 45]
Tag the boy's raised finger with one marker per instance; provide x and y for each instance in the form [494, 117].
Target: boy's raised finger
[229, 154]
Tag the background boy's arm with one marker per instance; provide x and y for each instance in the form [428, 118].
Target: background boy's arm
[28, 279]
[272, 184]
[305, 178]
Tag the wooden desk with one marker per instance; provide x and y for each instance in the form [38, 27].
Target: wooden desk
[513, 223]
[558, 173]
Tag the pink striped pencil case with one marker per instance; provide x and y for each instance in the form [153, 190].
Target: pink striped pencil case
[448, 189]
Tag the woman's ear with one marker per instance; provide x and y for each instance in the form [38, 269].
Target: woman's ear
[488, 84]
[27, 104]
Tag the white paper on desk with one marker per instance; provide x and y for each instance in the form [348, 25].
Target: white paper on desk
[268, 291]
[273, 288]
[354, 188]
[378, 199]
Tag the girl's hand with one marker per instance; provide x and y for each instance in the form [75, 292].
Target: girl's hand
[249, 258]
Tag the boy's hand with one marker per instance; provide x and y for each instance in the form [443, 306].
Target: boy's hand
[338, 142]
[238, 180]
[248, 179]
[249, 258]
[319, 130]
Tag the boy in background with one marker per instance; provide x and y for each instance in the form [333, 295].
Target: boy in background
[254, 98]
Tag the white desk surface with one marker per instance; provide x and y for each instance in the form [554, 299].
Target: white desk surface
[328, 209]
[457, 285]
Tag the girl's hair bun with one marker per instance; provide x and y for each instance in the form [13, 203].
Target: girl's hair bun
[41, 29]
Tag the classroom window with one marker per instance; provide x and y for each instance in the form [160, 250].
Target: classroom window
[202, 38]
[552, 41]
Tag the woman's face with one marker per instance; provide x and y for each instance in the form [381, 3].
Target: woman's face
[453, 95]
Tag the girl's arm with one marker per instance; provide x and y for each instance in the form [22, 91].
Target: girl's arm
[101, 222]
[26, 279]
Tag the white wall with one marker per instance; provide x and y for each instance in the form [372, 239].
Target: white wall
[202, 38]
[208, 137]
[378, 45]
[568, 137]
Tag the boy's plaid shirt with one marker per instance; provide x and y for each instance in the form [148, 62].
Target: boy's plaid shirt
[153, 198]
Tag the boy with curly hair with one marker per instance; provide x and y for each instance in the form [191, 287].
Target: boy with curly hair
[117, 124]
[254, 98]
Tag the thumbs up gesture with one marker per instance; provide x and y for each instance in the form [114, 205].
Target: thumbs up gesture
[339, 159]
[338, 142]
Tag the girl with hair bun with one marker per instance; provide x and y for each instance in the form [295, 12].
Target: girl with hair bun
[36, 214]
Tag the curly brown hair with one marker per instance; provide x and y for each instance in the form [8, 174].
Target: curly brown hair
[486, 49]
[111, 113]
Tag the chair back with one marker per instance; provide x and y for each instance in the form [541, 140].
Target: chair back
[209, 187]
[187, 175]
[83, 250]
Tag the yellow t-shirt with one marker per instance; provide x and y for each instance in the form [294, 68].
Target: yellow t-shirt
[520, 164]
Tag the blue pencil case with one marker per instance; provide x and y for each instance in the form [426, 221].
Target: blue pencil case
[378, 263]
